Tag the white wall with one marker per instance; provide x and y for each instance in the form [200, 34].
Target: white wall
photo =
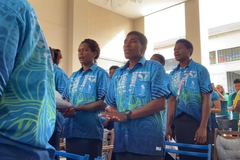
[168, 53]
[224, 41]
[218, 72]
[106, 63]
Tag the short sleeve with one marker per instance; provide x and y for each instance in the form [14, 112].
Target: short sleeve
[9, 41]
[159, 82]
[204, 80]
[66, 92]
[110, 98]
[226, 97]
[102, 85]
[214, 96]
[61, 80]
[172, 93]
[230, 100]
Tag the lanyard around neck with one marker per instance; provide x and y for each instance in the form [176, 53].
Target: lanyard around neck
[180, 84]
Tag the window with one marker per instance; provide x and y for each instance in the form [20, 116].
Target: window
[212, 57]
[170, 64]
[228, 55]
[231, 76]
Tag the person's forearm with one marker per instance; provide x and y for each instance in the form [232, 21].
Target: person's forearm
[237, 107]
[91, 107]
[205, 110]
[215, 110]
[66, 99]
[112, 108]
[171, 110]
[150, 108]
[222, 98]
[217, 107]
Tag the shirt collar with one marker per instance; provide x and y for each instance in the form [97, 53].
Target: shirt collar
[93, 67]
[190, 64]
[55, 66]
[142, 61]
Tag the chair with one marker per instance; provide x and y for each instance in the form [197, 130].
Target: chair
[62, 144]
[72, 156]
[109, 147]
[190, 153]
[225, 134]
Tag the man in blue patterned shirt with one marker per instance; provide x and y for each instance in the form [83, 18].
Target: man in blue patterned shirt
[27, 92]
[136, 96]
[189, 106]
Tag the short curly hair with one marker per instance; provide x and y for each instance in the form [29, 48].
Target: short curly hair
[186, 43]
[93, 45]
[57, 56]
[160, 58]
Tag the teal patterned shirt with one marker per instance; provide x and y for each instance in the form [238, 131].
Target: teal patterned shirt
[196, 81]
[86, 87]
[27, 91]
[131, 89]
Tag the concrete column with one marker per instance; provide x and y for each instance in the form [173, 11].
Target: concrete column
[197, 30]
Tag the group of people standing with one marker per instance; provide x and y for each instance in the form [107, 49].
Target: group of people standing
[135, 98]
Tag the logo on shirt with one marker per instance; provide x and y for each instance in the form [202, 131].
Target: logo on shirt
[142, 76]
[158, 148]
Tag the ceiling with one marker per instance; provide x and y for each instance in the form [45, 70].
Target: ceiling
[136, 10]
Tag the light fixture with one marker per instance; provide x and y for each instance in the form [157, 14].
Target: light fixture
[118, 3]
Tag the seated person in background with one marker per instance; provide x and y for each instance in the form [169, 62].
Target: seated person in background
[27, 91]
[231, 105]
[136, 95]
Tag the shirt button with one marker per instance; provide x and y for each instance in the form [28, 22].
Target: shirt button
[126, 95]
[126, 135]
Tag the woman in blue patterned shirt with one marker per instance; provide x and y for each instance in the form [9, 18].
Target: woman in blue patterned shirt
[86, 90]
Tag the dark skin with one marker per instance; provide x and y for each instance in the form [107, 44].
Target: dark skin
[150, 108]
[182, 54]
[237, 107]
[86, 58]
[216, 103]
[134, 52]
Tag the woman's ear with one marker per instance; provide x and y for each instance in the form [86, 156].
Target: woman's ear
[144, 47]
[190, 51]
[94, 55]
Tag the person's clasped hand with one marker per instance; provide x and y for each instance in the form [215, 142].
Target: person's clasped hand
[68, 112]
[113, 115]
